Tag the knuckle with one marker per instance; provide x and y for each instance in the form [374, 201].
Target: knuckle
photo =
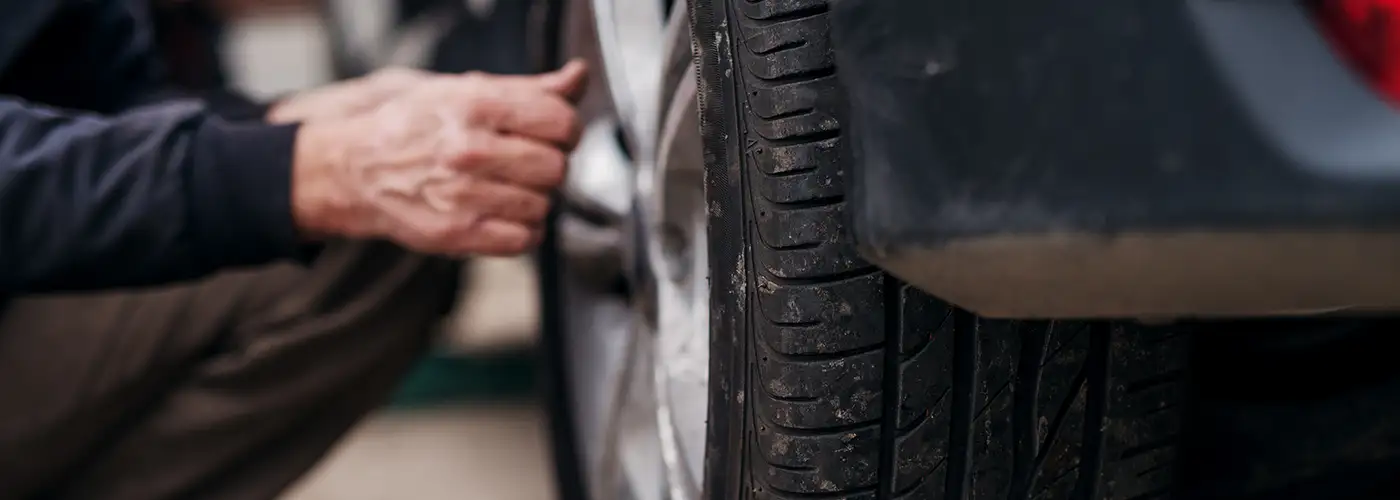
[534, 208]
[468, 154]
[472, 78]
[554, 169]
[479, 86]
[389, 79]
[462, 191]
[573, 127]
[450, 195]
[463, 234]
[517, 243]
[437, 231]
[484, 111]
[500, 113]
[569, 115]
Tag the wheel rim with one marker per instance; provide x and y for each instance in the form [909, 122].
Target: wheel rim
[680, 256]
[651, 422]
[628, 36]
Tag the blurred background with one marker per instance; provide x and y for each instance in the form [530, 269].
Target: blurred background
[469, 418]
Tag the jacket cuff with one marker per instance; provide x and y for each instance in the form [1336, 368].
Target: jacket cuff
[235, 107]
[240, 194]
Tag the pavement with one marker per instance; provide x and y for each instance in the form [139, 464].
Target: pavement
[490, 450]
[494, 452]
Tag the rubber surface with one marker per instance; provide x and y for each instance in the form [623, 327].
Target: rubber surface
[830, 379]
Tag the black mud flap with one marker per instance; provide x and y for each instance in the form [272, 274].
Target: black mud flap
[1102, 158]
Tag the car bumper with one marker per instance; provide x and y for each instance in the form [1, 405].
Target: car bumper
[1100, 158]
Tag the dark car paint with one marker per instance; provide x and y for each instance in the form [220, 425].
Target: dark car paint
[971, 120]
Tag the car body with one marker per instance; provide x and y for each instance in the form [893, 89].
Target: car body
[1187, 158]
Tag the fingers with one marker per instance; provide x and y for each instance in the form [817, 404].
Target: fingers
[496, 237]
[487, 198]
[505, 139]
[531, 113]
[479, 217]
[569, 81]
[513, 159]
[535, 106]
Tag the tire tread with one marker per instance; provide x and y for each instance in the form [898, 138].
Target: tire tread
[861, 387]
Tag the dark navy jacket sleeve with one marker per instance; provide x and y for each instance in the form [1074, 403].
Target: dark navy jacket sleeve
[150, 196]
[118, 194]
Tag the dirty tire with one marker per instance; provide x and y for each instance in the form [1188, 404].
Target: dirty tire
[829, 378]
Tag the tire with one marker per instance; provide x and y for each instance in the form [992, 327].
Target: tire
[831, 379]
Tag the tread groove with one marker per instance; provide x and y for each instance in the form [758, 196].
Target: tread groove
[1058, 423]
[830, 279]
[889, 418]
[1057, 479]
[905, 430]
[809, 203]
[914, 487]
[799, 139]
[1026, 411]
[805, 12]
[965, 327]
[834, 430]
[1096, 410]
[796, 172]
[780, 47]
[803, 138]
[927, 342]
[789, 468]
[798, 246]
[992, 399]
[1160, 379]
[1161, 493]
[798, 77]
[1145, 448]
[851, 493]
[1066, 344]
[796, 113]
[819, 357]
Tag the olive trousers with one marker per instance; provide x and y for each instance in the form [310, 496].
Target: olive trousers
[227, 388]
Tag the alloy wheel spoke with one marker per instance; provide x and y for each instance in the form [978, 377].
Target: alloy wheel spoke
[653, 427]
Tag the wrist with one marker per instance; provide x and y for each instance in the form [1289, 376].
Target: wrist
[320, 206]
[277, 111]
[270, 114]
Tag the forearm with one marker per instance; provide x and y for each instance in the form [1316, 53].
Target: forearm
[227, 104]
[153, 195]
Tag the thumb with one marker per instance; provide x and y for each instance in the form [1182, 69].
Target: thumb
[568, 81]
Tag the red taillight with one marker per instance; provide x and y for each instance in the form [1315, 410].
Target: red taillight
[1367, 32]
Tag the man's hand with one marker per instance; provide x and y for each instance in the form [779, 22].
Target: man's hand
[348, 98]
[454, 165]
